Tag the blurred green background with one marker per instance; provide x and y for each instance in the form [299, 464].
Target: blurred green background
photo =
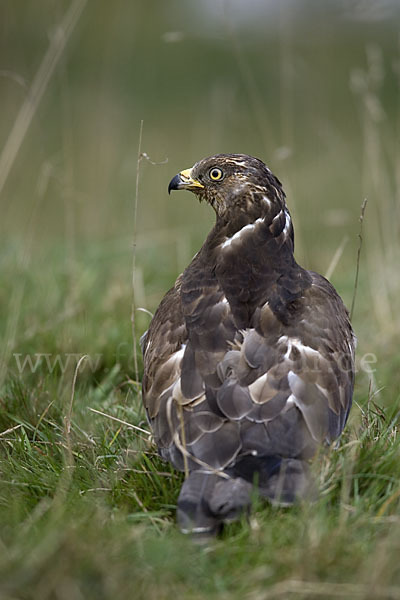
[312, 88]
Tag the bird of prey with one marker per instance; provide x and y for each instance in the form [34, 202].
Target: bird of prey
[249, 359]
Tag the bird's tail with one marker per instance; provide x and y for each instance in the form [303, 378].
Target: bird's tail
[209, 499]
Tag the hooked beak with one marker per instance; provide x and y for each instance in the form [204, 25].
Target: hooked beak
[184, 181]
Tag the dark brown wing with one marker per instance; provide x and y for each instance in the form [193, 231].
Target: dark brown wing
[313, 359]
[163, 347]
[179, 367]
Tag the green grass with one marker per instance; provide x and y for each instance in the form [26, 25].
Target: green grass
[87, 509]
[89, 513]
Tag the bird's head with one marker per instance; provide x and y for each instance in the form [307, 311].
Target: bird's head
[231, 183]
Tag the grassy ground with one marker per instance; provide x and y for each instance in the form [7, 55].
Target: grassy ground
[86, 506]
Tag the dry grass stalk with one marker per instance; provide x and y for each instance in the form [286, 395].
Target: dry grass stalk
[39, 84]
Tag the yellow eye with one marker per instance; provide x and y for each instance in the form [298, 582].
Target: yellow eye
[216, 174]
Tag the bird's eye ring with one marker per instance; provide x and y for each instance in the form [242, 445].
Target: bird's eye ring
[216, 174]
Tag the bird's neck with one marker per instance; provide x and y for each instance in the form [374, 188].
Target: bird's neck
[251, 257]
[262, 235]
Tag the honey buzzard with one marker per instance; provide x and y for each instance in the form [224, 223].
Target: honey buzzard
[249, 359]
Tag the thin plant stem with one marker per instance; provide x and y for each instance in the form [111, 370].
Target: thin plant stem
[336, 257]
[39, 84]
[135, 211]
[360, 241]
[68, 416]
